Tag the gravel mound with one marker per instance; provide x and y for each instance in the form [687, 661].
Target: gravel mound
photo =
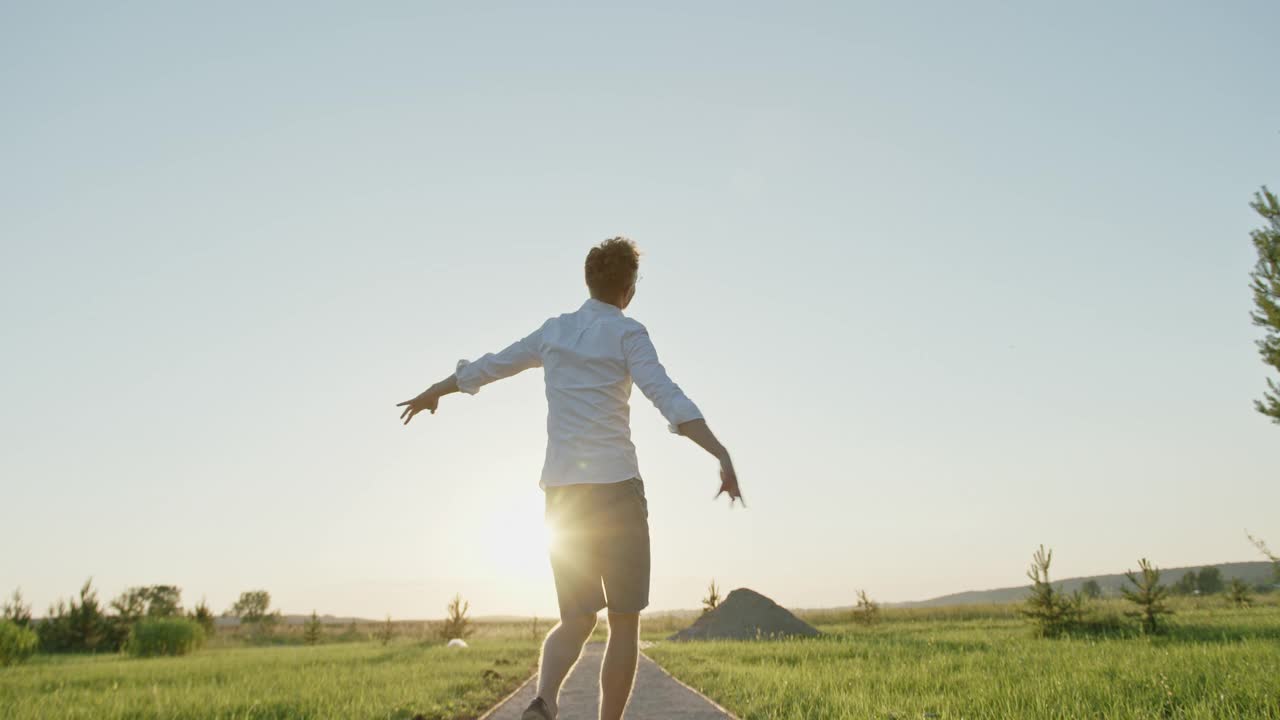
[746, 615]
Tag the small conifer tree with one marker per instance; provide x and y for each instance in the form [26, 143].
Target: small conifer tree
[1266, 295]
[203, 615]
[1275, 561]
[1238, 591]
[88, 624]
[1149, 595]
[311, 629]
[1053, 611]
[386, 632]
[17, 611]
[456, 624]
[867, 610]
[712, 600]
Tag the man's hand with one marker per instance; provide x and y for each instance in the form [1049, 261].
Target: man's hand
[729, 482]
[428, 400]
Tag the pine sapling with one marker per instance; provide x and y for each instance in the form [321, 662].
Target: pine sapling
[1051, 610]
[1149, 595]
[386, 632]
[1266, 295]
[457, 625]
[17, 611]
[712, 600]
[1275, 561]
[867, 611]
[1239, 593]
[311, 629]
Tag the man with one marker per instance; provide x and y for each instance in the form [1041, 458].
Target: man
[595, 500]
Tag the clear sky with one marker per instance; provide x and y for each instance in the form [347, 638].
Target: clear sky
[948, 282]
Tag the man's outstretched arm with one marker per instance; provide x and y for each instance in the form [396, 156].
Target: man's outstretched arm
[428, 399]
[683, 416]
[697, 431]
[471, 376]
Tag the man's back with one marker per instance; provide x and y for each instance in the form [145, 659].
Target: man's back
[589, 358]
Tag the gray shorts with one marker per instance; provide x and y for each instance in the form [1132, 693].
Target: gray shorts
[599, 546]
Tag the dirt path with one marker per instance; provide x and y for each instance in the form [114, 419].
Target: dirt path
[657, 695]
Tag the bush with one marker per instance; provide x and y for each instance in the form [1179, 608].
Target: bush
[164, 636]
[17, 643]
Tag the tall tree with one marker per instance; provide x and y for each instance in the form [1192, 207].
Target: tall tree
[1187, 584]
[130, 604]
[1209, 581]
[1266, 294]
[17, 611]
[253, 609]
[164, 601]
[1091, 589]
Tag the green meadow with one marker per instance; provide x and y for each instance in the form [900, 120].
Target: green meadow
[364, 679]
[1213, 662]
[976, 661]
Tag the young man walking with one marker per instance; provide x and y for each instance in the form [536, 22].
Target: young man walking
[595, 503]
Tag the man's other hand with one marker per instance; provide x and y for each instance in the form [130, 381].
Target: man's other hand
[426, 401]
[729, 483]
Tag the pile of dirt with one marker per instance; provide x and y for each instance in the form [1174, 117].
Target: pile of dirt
[746, 615]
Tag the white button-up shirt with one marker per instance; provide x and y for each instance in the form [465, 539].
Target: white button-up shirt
[589, 358]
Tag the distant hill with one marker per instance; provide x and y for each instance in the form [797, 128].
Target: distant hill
[1253, 573]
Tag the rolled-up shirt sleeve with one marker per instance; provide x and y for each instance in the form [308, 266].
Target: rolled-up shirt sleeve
[651, 377]
[516, 357]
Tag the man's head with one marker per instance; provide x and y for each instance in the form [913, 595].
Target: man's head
[611, 271]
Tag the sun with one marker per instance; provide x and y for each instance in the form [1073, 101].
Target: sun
[515, 537]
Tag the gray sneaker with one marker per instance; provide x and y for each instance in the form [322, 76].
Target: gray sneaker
[537, 710]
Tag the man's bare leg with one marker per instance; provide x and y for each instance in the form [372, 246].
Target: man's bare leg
[618, 672]
[559, 652]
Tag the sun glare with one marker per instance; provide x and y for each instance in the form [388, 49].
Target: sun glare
[516, 539]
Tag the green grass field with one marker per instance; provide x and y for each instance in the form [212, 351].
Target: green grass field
[954, 662]
[344, 680]
[980, 662]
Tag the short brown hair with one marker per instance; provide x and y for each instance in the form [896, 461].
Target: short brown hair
[611, 266]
